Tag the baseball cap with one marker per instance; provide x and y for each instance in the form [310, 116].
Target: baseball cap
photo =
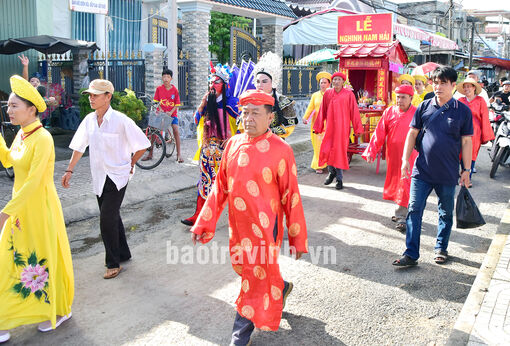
[99, 86]
[507, 82]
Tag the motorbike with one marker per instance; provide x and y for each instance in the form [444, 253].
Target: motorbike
[496, 115]
[500, 151]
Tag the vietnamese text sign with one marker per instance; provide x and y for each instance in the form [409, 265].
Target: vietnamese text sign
[90, 6]
[366, 28]
[362, 63]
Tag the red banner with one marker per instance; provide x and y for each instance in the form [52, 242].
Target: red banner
[381, 85]
[366, 28]
[363, 63]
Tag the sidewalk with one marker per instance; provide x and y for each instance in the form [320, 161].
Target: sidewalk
[79, 202]
[485, 317]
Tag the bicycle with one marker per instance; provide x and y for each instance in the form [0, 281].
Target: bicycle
[162, 140]
[8, 132]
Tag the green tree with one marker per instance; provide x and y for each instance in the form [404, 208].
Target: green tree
[219, 33]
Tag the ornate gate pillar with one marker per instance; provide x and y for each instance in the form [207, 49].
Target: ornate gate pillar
[272, 34]
[196, 17]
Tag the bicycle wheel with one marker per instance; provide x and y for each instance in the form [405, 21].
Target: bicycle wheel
[170, 144]
[155, 153]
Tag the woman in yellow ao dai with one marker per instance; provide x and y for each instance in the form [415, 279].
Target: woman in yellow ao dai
[36, 271]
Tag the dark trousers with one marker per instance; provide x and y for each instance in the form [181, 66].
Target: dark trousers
[337, 172]
[112, 229]
[243, 327]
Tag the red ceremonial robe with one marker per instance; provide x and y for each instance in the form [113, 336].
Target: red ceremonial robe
[392, 129]
[258, 179]
[339, 110]
[482, 130]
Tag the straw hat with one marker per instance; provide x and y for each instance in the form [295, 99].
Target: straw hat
[24, 89]
[460, 86]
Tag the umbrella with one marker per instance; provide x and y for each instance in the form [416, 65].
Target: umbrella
[425, 68]
[44, 43]
[323, 55]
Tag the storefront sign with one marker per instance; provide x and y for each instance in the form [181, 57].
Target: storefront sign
[381, 84]
[90, 6]
[362, 63]
[366, 28]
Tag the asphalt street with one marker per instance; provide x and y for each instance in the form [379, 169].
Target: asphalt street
[346, 291]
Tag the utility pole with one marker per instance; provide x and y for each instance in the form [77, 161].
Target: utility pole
[472, 20]
[450, 26]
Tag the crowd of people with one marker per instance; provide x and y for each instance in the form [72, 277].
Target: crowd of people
[431, 143]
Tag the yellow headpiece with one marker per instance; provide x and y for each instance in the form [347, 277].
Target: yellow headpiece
[24, 89]
[420, 77]
[323, 74]
[406, 77]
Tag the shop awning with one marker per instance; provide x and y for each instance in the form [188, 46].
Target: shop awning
[323, 55]
[44, 43]
[321, 29]
[500, 62]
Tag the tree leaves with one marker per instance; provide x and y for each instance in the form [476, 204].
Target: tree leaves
[219, 33]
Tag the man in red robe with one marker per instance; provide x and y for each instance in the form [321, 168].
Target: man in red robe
[392, 129]
[258, 179]
[338, 110]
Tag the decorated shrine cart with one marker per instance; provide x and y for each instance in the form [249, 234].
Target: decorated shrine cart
[371, 70]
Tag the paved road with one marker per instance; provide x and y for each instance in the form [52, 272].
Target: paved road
[356, 298]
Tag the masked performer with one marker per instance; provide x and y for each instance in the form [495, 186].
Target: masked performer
[267, 78]
[216, 119]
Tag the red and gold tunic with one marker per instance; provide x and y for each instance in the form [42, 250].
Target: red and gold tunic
[258, 179]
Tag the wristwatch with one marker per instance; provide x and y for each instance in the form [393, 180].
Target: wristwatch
[466, 170]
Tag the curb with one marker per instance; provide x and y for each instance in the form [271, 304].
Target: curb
[147, 188]
[465, 322]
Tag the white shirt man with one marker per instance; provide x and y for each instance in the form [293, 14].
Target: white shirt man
[115, 144]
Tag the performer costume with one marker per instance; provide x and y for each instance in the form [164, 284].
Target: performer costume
[338, 110]
[313, 111]
[482, 129]
[37, 280]
[213, 140]
[392, 130]
[258, 179]
[285, 118]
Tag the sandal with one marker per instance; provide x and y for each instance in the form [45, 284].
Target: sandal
[440, 256]
[401, 226]
[112, 273]
[319, 171]
[405, 261]
[394, 218]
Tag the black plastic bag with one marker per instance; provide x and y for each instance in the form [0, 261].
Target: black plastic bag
[468, 215]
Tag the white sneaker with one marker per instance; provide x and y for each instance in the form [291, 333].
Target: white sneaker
[4, 336]
[46, 325]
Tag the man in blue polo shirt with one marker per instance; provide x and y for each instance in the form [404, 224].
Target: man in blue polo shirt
[448, 126]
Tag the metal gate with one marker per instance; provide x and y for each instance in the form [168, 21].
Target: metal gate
[243, 46]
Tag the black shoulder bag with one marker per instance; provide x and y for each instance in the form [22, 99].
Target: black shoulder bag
[424, 128]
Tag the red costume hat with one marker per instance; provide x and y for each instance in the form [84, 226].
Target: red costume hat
[338, 74]
[256, 98]
[405, 89]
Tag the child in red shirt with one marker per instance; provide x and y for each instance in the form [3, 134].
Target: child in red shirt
[168, 96]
